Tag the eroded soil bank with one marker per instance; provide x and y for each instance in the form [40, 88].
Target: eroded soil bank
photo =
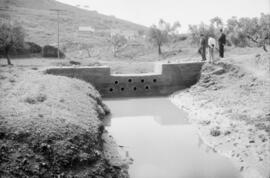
[53, 126]
[230, 106]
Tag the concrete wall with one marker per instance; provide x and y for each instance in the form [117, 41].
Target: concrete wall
[166, 79]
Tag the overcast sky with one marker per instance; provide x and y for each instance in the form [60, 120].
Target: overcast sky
[148, 12]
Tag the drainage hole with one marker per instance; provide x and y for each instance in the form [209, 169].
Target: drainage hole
[154, 80]
[142, 80]
[129, 80]
[134, 88]
[111, 89]
[147, 87]
[122, 89]
[116, 82]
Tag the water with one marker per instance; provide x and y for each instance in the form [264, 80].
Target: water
[162, 143]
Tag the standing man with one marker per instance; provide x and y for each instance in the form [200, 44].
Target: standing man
[203, 45]
[221, 43]
[211, 46]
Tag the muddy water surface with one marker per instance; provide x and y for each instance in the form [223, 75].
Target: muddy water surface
[162, 143]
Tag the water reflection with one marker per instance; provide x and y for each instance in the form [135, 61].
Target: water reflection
[162, 143]
[154, 107]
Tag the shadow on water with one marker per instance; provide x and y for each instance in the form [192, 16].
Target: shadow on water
[161, 141]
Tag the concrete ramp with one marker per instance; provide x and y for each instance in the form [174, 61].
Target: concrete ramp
[166, 79]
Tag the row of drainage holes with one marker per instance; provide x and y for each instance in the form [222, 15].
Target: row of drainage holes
[130, 80]
[134, 88]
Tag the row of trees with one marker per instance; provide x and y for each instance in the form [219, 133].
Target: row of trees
[157, 35]
[241, 32]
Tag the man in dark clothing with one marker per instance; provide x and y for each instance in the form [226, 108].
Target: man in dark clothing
[221, 43]
[203, 45]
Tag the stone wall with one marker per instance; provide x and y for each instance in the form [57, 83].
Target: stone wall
[166, 79]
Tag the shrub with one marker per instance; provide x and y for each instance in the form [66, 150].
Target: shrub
[33, 47]
[51, 51]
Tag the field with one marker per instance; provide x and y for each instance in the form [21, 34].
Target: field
[50, 124]
[233, 95]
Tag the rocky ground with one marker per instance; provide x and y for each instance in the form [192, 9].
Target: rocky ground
[230, 106]
[53, 126]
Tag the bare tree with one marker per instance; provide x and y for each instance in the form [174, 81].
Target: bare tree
[217, 22]
[118, 41]
[159, 34]
[88, 48]
[11, 36]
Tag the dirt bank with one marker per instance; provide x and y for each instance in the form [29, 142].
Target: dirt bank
[52, 126]
[230, 106]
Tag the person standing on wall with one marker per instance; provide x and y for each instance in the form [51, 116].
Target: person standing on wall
[203, 45]
[221, 43]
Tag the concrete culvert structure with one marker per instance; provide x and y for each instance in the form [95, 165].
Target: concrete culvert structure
[166, 79]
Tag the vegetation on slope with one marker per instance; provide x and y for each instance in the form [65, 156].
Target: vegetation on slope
[51, 126]
[41, 23]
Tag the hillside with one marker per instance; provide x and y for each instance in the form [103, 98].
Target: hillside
[40, 22]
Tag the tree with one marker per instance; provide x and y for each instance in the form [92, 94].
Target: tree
[217, 22]
[262, 35]
[243, 31]
[159, 34]
[118, 41]
[11, 36]
[87, 47]
[197, 30]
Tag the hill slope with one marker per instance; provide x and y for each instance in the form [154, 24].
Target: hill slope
[40, 22]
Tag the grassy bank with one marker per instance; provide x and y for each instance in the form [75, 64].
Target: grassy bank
[51, 126]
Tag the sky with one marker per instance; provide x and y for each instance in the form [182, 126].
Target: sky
[148, 12]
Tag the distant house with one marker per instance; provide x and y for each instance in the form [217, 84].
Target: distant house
[86, 29]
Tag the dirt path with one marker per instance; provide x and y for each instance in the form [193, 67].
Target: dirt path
[230, 105]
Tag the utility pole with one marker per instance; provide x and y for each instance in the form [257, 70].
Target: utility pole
[58, 29]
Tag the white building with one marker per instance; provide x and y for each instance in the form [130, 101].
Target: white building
[86, 29]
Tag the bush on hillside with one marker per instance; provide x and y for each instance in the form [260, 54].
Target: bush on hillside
[26, 50]
[33, 47]
[51, 51]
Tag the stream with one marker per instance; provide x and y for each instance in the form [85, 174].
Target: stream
[162, 142]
